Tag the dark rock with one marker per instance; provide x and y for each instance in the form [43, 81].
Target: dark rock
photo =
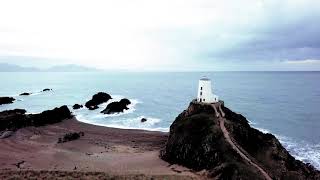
[125, 101]
[25, 94]
[77, 106]
[13, 119]
[97, 99]
[6, 134]
[143, 120]
[70, 137]
[51, 116]
[6, 100]
[16, 119]
[197, 142]
[47, 89]
[93, 107]
[116, 107]
[19, 164]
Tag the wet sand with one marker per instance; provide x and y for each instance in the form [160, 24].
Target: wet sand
[112, 151]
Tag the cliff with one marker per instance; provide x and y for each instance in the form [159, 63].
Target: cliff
[228, 148]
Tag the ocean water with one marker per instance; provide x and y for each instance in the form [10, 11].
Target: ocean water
[286, 104]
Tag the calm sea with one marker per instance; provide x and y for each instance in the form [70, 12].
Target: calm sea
[286, 104]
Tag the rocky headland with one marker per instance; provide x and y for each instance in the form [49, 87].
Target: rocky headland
[11, 120]
[222, 144]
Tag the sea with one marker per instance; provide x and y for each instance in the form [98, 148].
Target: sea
[286, 104]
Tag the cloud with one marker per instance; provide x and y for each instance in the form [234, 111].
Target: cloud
[151, 34]
[306, 61]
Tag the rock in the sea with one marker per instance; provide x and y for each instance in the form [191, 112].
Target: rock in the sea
[143, 120]
[25, 94]
[6, 100]
[125, 101]
[70, 137]
[47, 89]
[117, 107]
[197, 141]
[97, 99]
[16, 119]
[77, 106]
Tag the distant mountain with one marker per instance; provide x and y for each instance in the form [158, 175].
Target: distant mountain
[70, 68]
[5, 67]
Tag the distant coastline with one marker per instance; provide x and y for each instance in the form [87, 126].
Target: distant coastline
[5, 67]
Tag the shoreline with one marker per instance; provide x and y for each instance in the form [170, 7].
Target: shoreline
[102, 149]
[82, 120]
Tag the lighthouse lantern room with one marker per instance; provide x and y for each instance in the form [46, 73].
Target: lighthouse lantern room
[205, 94]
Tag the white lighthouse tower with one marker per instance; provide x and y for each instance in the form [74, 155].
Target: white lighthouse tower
[205, 94]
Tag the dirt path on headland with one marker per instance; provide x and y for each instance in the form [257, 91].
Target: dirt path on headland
[235, 147]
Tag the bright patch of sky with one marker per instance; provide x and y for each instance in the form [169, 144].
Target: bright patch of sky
[162, 35]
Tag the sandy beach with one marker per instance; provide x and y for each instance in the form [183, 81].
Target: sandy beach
[112, 151]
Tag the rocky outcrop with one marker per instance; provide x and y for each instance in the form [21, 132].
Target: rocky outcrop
[16, 119]
[25, 94]
[117, 107]
[70, 137]
[50, 116]
[197, 141]
[97, 99]
[77, 106]
[6, 100]
[6, 134]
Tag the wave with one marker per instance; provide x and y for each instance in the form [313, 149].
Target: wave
[34, 94]
[303, 151]
[128, 123]
[116, 120]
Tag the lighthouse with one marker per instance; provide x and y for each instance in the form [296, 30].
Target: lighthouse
[205, 94]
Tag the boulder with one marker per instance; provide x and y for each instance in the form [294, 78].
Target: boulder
[77, 106]
[6, 100]
[25, 94]
[197, 141]
[97, 99]
[143, 120]
[116, 107]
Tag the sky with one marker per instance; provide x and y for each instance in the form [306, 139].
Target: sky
[182, 35]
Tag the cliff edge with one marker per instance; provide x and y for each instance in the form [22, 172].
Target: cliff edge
[223, 143]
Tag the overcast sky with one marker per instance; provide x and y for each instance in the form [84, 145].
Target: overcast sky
[163, 34]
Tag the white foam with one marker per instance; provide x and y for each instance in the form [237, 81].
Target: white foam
[129, 123]
[34, 94]
[302, 151]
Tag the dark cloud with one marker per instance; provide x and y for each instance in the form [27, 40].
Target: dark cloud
[284, 39]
